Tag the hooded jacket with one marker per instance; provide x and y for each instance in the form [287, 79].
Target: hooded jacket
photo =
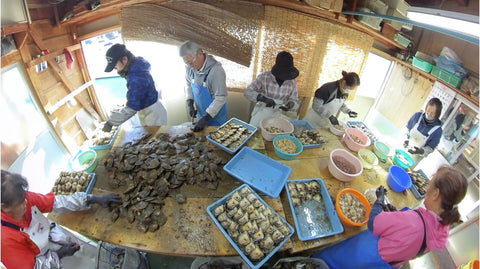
[401, 234]
[141, 87]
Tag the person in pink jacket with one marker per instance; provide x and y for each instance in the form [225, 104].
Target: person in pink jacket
[394, 237]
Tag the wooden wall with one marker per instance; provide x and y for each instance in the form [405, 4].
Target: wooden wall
[54, 83]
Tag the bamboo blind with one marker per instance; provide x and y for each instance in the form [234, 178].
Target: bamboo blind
[307, 39]
[218, 31]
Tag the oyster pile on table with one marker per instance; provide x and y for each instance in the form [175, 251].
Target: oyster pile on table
[420, 182]
[308, 137]
[255, 228]
[69, 182]
[150, 168]
[301, 192]
[352, 208]
[231, 135]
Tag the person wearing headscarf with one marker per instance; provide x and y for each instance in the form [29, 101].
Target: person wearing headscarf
[143, 99]
[274, 92]
[206, 87]
[423, 131]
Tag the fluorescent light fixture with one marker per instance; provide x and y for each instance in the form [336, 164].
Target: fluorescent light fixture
[459, 22]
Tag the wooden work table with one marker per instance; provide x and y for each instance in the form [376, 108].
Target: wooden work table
[190, 231]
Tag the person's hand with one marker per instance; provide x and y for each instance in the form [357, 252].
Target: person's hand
[104, 200]
[288, 106]
[390, 208]
[269, 102]
[405, 143]
[191, 109]
[67, 250]
[107, 127]
[380, 192]
[352, 114]
[416, 150]
[333, 120]
[200, 125]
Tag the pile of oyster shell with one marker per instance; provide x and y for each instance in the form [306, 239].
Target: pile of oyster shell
[99, 137]
[420, 182]
[352, 208]
[308, 137]
[301, 192]
[69, 182]
[249, 222]
[231, 135]
[149, 168]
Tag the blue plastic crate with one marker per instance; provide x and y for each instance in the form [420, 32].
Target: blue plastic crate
[109, 144]
[238, 122]
[252, 264]
[304, 124]
[261, 172]
[414, 189]
[309, 219]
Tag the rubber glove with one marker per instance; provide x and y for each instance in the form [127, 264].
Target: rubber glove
[266, 100]
[389, 208]
[333, 120]
[191, 109]
[67, 250]
[104, 200]
[380, 192]
[107, 127]
[288, 106]
[202, 123]
[405, 143]
[416, 150]
[352, 114]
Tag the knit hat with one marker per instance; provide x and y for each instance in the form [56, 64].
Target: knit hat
[283, 68]
[115, 53]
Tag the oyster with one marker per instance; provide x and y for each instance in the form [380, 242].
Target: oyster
[243, 239]
[256, 254]
[218, 210]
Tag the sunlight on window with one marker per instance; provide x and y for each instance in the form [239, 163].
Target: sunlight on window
[339, 57]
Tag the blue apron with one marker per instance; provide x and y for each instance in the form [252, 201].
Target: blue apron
[359, 251]
[202, 99]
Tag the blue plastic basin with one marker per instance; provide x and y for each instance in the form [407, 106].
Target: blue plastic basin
[398, 179]
[284, 155]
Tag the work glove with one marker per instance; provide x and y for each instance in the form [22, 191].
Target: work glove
[416, 150]
[288, 106]
[389, 208]
[405, 143]
[200, 125]
[380, 192]
[352, 114]
[107, 127]
[67, 250]
[333, 120]
[191, 110]
[266, 100]
[104, 200]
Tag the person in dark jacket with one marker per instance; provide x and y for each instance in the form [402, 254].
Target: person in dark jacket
[143, 98]
[423, 131]
[330, 98]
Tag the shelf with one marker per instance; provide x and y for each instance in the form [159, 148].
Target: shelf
[467, 38]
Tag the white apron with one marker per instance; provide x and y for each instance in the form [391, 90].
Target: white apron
[417, 139]
[39, 230]
[325, 110]
[261, 111]
[154, 115]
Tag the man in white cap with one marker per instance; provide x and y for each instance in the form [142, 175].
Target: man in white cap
[142, 96]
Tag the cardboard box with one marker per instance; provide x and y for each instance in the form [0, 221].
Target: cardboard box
[400, 5]
[332, 5]
[396, 24]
